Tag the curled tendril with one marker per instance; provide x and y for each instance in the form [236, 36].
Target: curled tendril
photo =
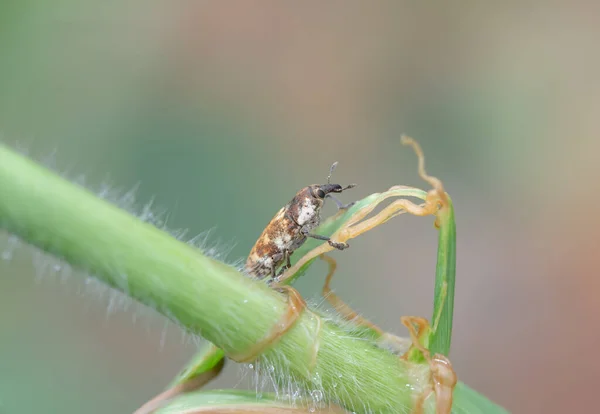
[435, 200]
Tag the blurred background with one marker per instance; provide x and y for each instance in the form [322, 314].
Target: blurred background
[221, 111]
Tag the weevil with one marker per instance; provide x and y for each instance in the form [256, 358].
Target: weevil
[290, 228]
[287, 231]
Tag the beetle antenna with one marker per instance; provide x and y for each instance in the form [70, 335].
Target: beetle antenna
[331, 171]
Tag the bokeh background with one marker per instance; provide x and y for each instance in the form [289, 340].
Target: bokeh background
[220, 111]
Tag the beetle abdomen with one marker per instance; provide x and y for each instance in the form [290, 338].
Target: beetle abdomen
[268, 253]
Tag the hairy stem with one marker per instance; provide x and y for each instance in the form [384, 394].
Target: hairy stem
[204, 296]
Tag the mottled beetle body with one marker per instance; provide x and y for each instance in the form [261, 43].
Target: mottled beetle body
[289, 229]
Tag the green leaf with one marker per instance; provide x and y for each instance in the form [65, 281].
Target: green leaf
[469, 401]
[207, 358]
[237, 401]
[443, 307]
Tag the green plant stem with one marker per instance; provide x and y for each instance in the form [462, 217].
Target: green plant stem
[204, 296]
[443, 306]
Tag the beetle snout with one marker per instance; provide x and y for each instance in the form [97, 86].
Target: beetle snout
[331, 188]
[321, 191]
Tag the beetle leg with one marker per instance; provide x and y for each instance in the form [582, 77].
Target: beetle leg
[339, 246]
[443, 377]
[288, 263]
[287, 254]
[339, 204]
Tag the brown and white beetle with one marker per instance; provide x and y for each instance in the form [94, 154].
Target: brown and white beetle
[287, 231]
[290, 228]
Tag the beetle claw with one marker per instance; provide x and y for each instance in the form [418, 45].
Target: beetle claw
[339, 246]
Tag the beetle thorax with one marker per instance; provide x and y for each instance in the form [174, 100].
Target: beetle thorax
[308, 211]
[304, 209]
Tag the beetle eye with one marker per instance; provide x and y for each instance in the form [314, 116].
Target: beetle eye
[320, 193]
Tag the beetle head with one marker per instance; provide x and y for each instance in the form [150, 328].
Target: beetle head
[321, 191]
